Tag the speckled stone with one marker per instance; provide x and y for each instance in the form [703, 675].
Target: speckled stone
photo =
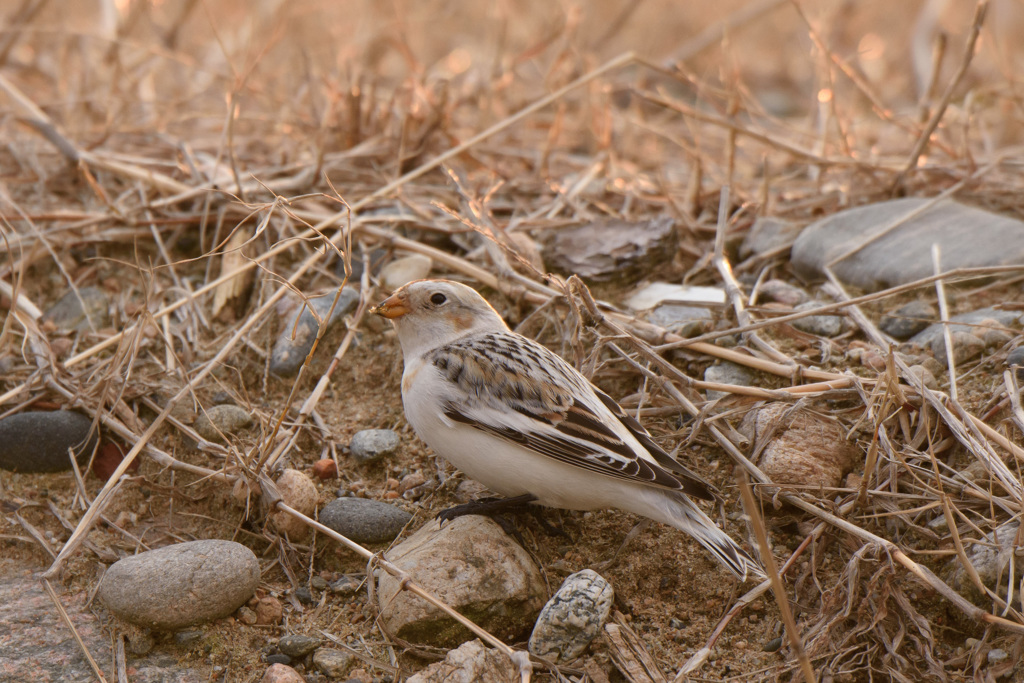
[572, 617]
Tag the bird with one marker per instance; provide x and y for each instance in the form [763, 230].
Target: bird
[513, 415]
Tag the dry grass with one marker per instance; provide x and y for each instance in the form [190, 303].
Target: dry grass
[205, 161]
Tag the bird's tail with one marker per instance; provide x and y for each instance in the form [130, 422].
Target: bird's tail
[683, 514]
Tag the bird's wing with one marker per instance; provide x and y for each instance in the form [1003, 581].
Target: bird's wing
[519, 391]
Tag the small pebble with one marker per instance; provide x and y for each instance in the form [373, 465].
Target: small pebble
[966, 346]
[325, 469]
[782, 292]
[1016, 358]
[727, 373]
[304, 595]
[269, 611]
[370, 444]
[363, 520]
[281, 673]
[997, 655]
[298, 492]
[222, 420]
[318, 583]
[346, 585]
[404, 270]
[69, 314]
[246, 616]
[187, 638]
[297, 646]
[772, 645]
[279, 658]
[332, 663]
[820, 325]
[908, 320]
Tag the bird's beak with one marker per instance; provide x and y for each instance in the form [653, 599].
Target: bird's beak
[395, 306]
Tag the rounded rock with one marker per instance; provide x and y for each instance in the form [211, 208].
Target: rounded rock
[332, 663]
[370, 444]
[798, 447]
[281, 673]
[1016, 358]
[222, 420]
[473, 566]
[363, 520]
[908, 320]
[297, 646]
[180, 585]
[80, 311]
[404, 270]
[38, 441]
[820, 325]
[298, 492]
[572, 617]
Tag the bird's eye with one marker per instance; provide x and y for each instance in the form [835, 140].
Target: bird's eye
[438, 299]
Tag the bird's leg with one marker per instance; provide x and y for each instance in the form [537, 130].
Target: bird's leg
[488, 507]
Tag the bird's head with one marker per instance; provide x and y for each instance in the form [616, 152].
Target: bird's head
[431, 313]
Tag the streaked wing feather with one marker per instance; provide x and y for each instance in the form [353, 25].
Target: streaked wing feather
[498, 371]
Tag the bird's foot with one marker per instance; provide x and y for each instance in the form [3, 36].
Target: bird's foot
[488, 507]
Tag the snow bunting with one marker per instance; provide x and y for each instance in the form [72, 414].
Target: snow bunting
[513, 415]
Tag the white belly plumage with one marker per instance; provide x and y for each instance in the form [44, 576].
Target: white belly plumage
[503, 467]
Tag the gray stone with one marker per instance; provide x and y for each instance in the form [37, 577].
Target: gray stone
[991, 559]
[612, 248]
[820, 325]
[364, 520]
[347, 584]
[572, 617]
[769, 236]
[69, 313]
[727, 373]
[966, 346]
[370, 444]
[997, 655]
[968, 237]
[1016, 359]
[908, 320]
[180, 585]
[299, 332]
[187, 638]
[297, 646]
[686, 321]
[471, 662]
[332, 663]
[473, 566]
[38, 441]
[782, 292]
[965, 322]
[225, 419]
